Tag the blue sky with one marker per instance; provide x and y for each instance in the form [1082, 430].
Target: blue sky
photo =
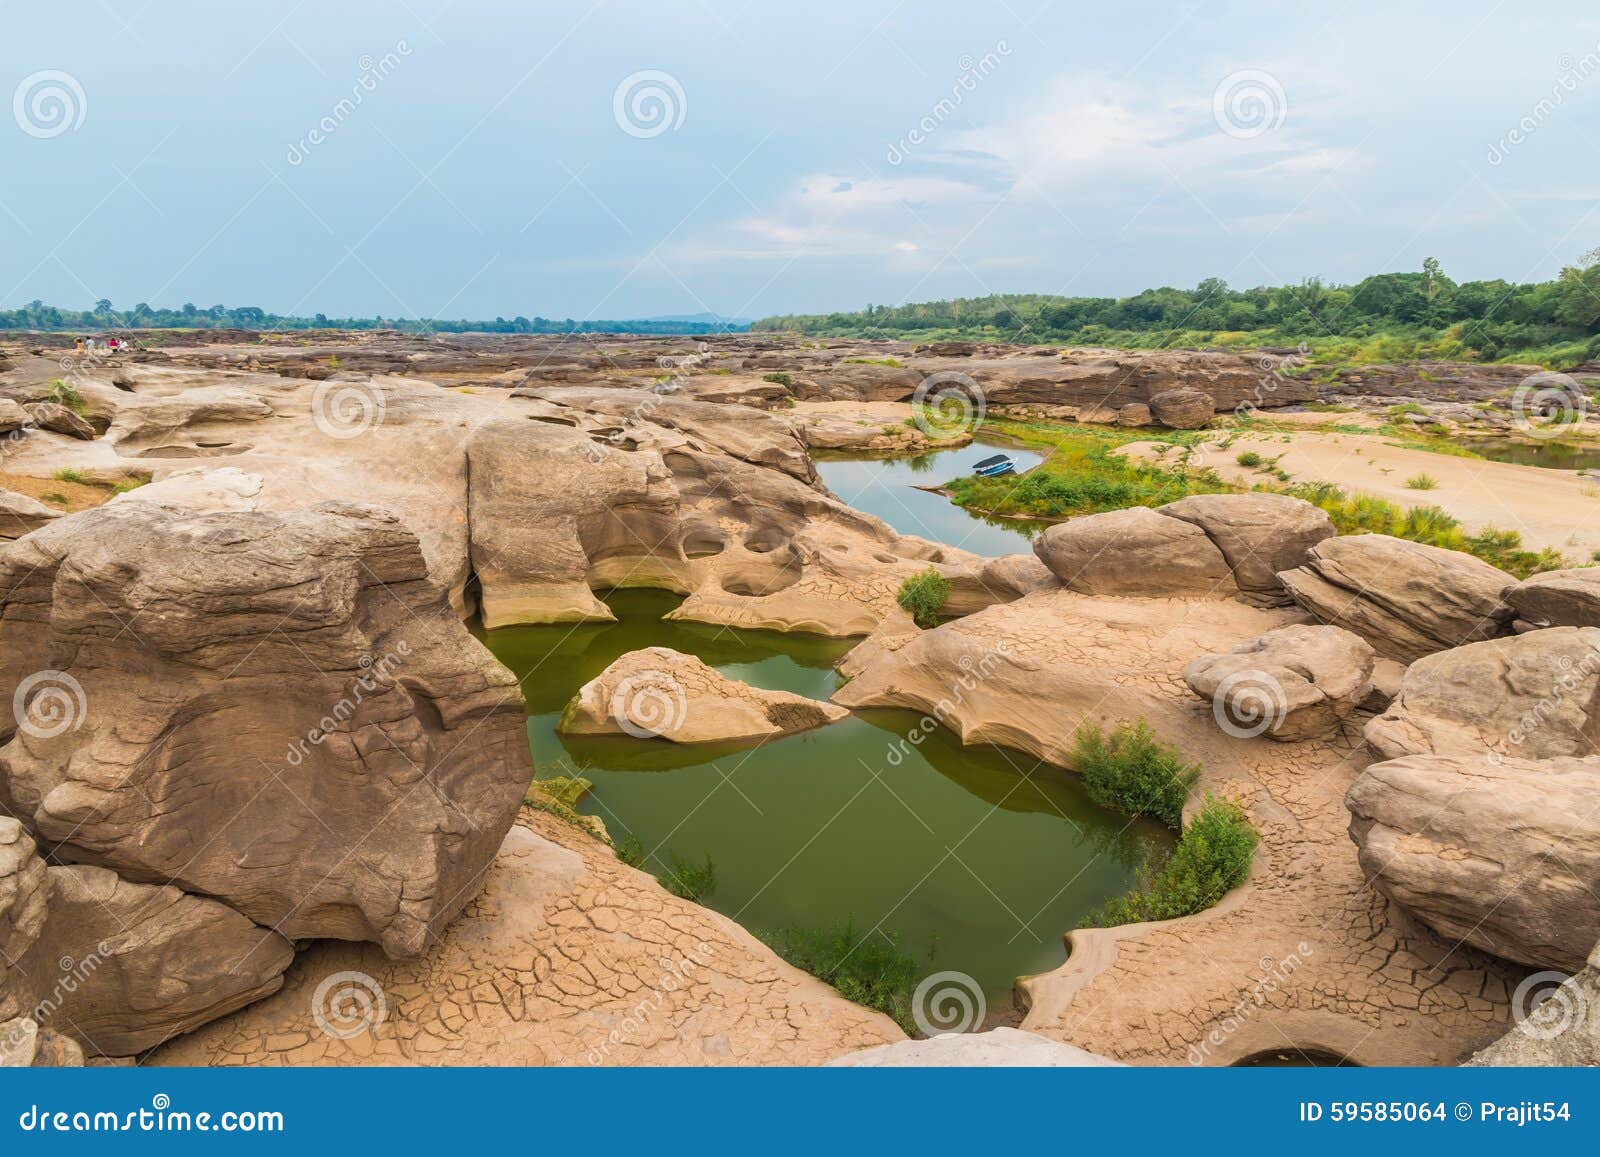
[490, 166]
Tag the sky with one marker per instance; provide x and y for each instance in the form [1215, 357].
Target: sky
[481, 158]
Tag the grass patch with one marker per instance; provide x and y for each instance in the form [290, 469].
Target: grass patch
[922, 595]
[1133, 772]
[779, 378]
[56, 497]
[1212, 857]
[63, 394]
[866, 967]
[893, 363]
[68, 474]
[630, 850]
[1249, 458]
[688, 880]
[1422, 482]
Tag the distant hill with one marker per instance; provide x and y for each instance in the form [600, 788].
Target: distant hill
[36, 315]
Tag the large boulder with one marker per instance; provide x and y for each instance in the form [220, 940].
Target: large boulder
[1134, 552]
[1533, 696]
[58, 419]
[1503, 855]
[129, 966]
[1259, 535]
[1406, 599]
[12, 416]
[661, 693]
[1184, 408]
[1296, 682]
[1558, 598]
[279, 711]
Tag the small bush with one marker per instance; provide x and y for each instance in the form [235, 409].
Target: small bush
[68, 474]
[690, 881]
[630, 850]
[866, 967]
[62, 394]
[1249, 458]
[922, 595]
[1212, 857]
[1133, 772]
[779, 378]
[1422, 482]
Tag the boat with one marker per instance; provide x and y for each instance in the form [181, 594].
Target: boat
[994, 466]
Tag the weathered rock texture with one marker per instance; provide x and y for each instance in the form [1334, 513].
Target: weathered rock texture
[1406, 599]
[1259, 535]
[1529, 696]
[1504, 856]
[1293, 683]
[1184, 408]
[661, 693]
[20, 514]
[278, 711]
[1558, 598]
[1134, 552]
[1556, 1026]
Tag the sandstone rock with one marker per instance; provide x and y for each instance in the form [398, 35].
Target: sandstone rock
[997, 1048]
[25, 1044]
[1387, 676]
[1134, 414]
[1557, 1025]
[1134, 552]
[23, 891]
[20, 514]
[1504, 856]
[1406, 599]
[1528, 696]
[1293, 683]
[276, 710]
[1184, 408]
[537, 531]
[661, 693]
[134, 965]
[12, 416]
[58, 419]
[1259, 535]
[1558, 598]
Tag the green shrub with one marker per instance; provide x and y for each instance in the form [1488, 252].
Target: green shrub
[630, 850]
[1422, 482]
[68, 474]
[1249, 458]
[690, 881]
[923, 594]
[62, 394]
[1212, 857]
[1133, 772]
[779, 378]
[865, 966]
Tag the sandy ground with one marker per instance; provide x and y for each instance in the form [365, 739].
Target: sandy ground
[1554, 508]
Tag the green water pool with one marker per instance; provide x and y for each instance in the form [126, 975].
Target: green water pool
[974, 859]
